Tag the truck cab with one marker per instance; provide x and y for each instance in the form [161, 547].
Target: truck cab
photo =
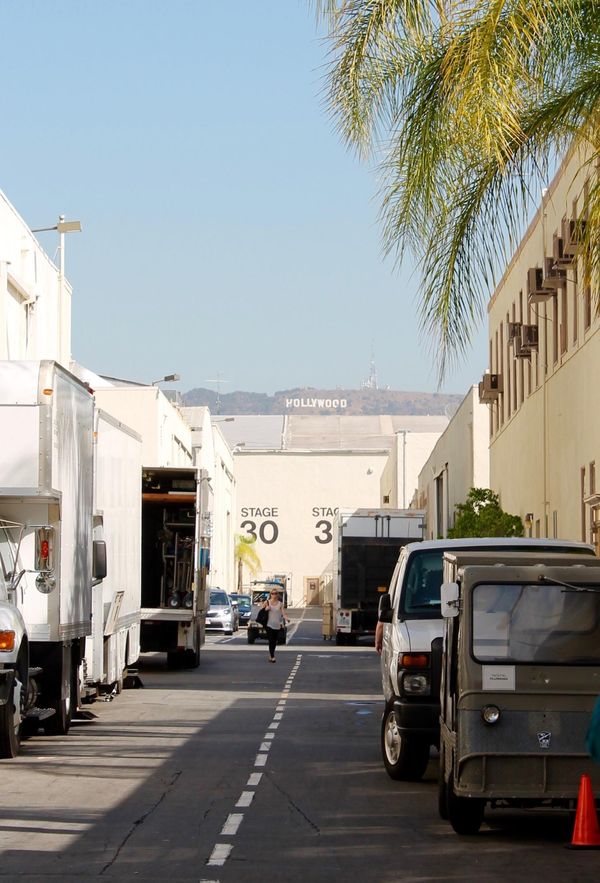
[412, 643]
[520, 674]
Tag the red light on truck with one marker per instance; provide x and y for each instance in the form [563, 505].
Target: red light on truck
[7, 640]
[44, 549]
[415, 660]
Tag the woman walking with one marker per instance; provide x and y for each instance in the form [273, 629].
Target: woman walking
[275, 622]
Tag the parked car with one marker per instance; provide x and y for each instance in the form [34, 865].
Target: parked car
[244, 606]
[221, 615]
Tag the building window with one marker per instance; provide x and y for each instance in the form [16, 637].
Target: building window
[582, 497]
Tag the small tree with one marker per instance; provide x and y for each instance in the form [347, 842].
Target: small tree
[482, 516]
[245, 554]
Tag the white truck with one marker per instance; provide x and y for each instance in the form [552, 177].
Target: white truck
[412, 641]
[368, 542]
[175, 562]
[49, 557]
[114, 642]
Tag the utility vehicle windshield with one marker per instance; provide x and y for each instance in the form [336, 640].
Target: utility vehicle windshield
[548, 624]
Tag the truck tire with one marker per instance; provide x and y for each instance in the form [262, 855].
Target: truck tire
[10, 736]
[191, 658]
[465, 814]
[60, 722]
[405, 758]
[340, 639]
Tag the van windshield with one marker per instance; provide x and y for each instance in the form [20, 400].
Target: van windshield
[422, 582]
[536, 623]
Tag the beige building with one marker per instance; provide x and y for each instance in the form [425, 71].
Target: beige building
[293, 473]
[542, 388]
[458, 462]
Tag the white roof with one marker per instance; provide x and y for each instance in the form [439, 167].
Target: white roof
[322, 433]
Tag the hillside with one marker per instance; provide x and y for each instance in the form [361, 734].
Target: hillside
[308, 400]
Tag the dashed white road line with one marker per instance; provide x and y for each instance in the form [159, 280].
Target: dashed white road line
[222, 851]
[220, 854]
[234, 820]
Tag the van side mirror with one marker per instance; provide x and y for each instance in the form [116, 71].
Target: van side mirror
[99, 559]
[385, 612]
[450, 596]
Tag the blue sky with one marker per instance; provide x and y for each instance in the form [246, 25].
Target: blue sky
[227, 232]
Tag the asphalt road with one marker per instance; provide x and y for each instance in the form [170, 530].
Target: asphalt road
[247, 771]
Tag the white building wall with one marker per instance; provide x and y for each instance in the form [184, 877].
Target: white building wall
[35, 308]
[166, 436]
[289, 499]
[545, 424]
[400, 477]
[458, 462]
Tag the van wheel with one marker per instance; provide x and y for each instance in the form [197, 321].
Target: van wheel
[405, 759]
[465, 814]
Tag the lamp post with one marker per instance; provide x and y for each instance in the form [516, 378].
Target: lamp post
[166, 379]
[63, 227]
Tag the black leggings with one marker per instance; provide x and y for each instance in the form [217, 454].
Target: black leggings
[272, 635]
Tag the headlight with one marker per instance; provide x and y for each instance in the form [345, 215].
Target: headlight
[490, 714]
[415, 683]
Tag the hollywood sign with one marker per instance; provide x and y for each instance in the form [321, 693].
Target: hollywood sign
[316, 403]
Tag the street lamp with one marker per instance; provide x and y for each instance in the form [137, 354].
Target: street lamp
[166, 379]
[222, 419]
[63, 227]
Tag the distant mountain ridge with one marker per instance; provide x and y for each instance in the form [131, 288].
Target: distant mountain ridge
[309, 400]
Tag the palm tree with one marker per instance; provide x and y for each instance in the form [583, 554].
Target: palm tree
[245, 554]
[466, 106]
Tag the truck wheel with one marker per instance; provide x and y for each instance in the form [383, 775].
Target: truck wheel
[405, 759]
[60, 722]
[251, 637]
[10, 737]
[465, 814]
[191, 658]
[340, 639]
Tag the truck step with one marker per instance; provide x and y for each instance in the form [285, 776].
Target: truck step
[39, 714]
[34, 671]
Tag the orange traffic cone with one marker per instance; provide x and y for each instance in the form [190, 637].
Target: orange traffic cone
[586, 833]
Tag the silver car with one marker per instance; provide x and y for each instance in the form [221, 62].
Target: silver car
[221, 615]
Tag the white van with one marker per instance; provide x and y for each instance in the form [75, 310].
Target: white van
[412, 644]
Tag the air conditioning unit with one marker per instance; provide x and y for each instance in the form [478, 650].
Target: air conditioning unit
[535, 286]
[558, 252]
[490, 387]
[554, 276]
[573, 230]
[527, 342]
[514, 331]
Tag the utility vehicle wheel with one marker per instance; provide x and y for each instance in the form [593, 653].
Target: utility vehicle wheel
[442, 792]
[9, 730]
[251, 636]
[404, 758]
[465, 814]
[340, 639]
